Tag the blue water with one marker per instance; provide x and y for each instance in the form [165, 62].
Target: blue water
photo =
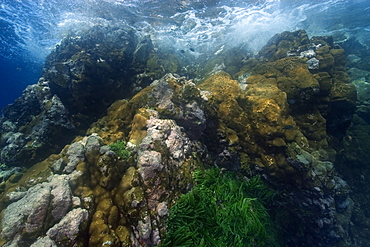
[29, 29]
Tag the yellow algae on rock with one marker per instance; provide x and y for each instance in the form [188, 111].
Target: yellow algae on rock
[267, 110]
[138, 126]
[123, 233]
[222, 86]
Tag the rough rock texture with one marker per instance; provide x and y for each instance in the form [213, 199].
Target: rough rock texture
[278, 116]
[47, 208]
[353, 158]
[126, 201]
[161, 170]
[36, 125]
[293, 118]
[81, 78]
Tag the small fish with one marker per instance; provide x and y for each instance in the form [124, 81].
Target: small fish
[192, 49]
[288, 127]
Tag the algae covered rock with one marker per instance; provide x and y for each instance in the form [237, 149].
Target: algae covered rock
[45, 208]
[281, 117]
[277, 117]
[160, 171]
[337, 93]
[284, 44]
[80, 79]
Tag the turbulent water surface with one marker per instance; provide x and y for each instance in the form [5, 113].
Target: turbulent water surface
[29, 29]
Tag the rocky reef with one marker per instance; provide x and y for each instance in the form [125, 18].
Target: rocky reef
[281, 115]
[352, 159]
[81, 78]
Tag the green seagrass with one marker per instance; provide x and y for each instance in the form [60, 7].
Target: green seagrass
[222, 210]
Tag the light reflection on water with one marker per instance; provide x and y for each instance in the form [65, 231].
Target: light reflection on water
[33, 27]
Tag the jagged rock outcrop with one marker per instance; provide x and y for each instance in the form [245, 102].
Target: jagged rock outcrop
[43, 205]
[35, 126]
[277, 117]
[81, 78]
[128, 198]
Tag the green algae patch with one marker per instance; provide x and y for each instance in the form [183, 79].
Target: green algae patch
[119, 148]
[222, 210]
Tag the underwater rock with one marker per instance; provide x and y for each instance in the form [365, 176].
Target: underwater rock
[27, 215]
[162, 164]
[81, 78]
[275, 118]
[46, 209]
[143, 50]
[75, 154]
[44, 242]
[352, 160]
[67, 230]
[287, 106]
[337, 93]
[6, 173]
[358, 53]
[360, 79]
[184, 109]
[34, 126]
[89, 73]
[285, 44]
[156, 169]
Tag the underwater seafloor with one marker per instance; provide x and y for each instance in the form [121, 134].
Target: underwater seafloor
[123, 143]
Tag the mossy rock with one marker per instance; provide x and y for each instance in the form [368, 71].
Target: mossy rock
[325, 81]
[343, 91]
[222, 86]
[297, 82]
[326, 59]
[282, 43]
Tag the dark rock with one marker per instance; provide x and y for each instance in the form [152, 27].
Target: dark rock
[35, 125]
[81, 78]
[143, 50]
[89, 73]
[6, 172]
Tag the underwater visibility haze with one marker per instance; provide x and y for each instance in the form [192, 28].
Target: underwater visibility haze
[30, 29]
[185, 123]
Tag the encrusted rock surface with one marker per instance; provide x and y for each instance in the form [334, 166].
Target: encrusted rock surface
[81, 78]
[45, 208]
[278, 116]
